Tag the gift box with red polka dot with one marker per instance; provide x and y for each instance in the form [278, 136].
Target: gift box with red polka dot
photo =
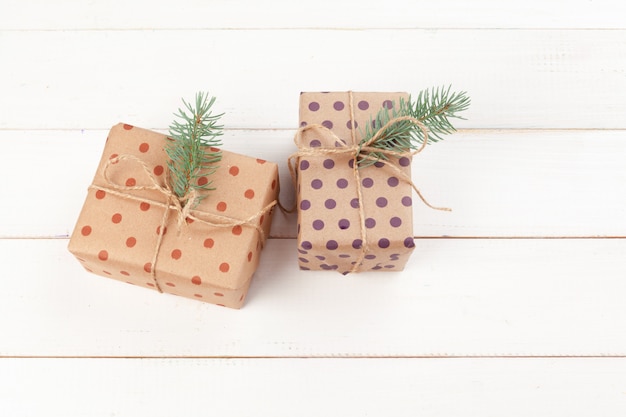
[331, 225]
[210, 255]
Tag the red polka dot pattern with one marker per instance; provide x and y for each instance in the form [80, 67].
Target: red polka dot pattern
[116, 237]
[329, 235]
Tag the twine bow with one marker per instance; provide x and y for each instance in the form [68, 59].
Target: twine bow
[183, 206]
[361, 152]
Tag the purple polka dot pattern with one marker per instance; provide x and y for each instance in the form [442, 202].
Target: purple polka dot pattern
[349, 124]
[330, 235]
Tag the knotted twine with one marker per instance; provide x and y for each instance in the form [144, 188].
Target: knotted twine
[183, 206]
[361, 152]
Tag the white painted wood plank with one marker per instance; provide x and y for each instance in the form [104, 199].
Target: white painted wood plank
[498, 183]
[517, 79]
[330, 387]
[128, 14]
[456, 298]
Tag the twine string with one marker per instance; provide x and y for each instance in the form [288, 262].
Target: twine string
[183, 206]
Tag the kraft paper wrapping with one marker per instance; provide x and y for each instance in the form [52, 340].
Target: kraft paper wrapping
[116, 237]
[329, 231]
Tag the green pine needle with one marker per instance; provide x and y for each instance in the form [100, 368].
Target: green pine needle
[193, 134]
[434, 108]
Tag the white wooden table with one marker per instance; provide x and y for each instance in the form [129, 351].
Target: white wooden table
[514, 304]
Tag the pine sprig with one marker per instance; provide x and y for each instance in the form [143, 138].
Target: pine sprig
[193, 133]
[434, 108]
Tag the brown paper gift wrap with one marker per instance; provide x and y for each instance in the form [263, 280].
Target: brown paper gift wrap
[329, 224]
[117, 237]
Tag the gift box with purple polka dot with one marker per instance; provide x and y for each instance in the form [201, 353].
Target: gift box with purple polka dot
[331, 225]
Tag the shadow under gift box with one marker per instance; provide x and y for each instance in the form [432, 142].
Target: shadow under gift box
[329, 223]
[117, 235]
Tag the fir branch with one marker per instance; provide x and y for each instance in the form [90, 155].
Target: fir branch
[193, 134]
[434, 108]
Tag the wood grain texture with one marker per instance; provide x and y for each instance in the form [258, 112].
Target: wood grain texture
[471, 297]
[342, 387]
[220, 14]
[517, 79]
